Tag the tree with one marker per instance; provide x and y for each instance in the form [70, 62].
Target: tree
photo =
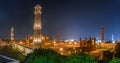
[81, 58]
[44, 56]
[116, 60]
[117, 50]
[107, 55]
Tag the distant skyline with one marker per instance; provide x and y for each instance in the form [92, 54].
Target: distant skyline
[71, 18]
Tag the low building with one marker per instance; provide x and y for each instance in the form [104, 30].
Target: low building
[110, 45]
[88, 45]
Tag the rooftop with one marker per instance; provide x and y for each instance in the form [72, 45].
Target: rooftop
[4, 59]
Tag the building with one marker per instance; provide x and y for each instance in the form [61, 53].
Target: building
[4, 59]
[88, 45]
[40, 41]
[45, 41]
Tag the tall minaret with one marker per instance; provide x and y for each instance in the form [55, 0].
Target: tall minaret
[12, 34]
[102, 36]
[113, 41]
[37, 26]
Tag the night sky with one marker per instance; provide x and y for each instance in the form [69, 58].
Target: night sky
[71, 18]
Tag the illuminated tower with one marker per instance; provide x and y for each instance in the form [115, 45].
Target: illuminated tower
[12, 34]
[37, 26]
[112, 37]
[58, 38]
[113, 41]
[102, 36]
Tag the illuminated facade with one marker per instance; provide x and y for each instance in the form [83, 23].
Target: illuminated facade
[88, 45]
[29, 40]
[37, 26]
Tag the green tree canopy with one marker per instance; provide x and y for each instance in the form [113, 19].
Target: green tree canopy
[44, 56]
[107, 55]
[81, 58]
[116, 60]
[117, 50]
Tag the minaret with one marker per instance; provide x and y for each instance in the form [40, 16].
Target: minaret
[58, 37]
[112, 37]
[12, 34]
[37, 26]
[102, 36]
[113, 41]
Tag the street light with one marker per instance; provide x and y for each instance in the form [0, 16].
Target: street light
[61, 49]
